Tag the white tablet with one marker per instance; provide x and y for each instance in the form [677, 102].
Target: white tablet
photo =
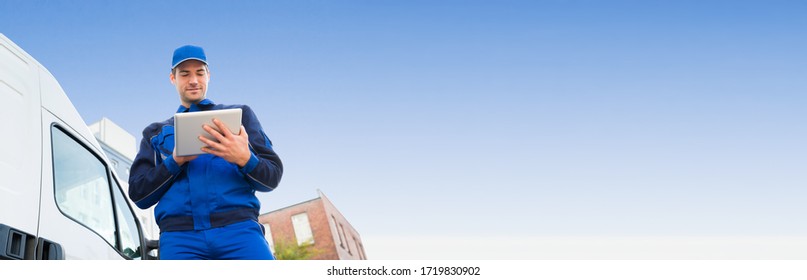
[188, 127]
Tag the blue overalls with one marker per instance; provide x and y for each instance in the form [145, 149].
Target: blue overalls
[207, 208]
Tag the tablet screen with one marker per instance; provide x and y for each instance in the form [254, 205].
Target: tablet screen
[188, 127]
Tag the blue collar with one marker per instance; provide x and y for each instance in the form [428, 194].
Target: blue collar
[201, 106]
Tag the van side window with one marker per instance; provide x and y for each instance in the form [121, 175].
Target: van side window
[129, 235]
[81, 186]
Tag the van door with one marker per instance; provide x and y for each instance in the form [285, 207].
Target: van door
[77, 209]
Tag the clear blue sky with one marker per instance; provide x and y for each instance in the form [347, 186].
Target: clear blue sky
[477, 118]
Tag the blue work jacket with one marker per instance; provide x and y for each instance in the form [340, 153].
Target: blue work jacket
[208, 191]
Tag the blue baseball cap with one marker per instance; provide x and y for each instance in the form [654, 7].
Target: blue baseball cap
[187, 52]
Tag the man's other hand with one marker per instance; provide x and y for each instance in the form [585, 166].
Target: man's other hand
[180, 160]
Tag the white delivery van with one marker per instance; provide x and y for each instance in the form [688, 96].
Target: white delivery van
[59, 196]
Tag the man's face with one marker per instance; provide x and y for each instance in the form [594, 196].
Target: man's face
[190, 78]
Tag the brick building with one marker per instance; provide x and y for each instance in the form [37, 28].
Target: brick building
[316, 222]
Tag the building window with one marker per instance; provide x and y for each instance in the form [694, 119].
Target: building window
[338, 232]
[302, 229]
[346, 243]
[358, 247]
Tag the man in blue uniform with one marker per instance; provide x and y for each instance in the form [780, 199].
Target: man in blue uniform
[206, 204]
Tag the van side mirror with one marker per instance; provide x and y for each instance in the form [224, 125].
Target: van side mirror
[152, 250]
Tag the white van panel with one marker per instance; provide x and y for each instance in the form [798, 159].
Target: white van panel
[21, 148]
